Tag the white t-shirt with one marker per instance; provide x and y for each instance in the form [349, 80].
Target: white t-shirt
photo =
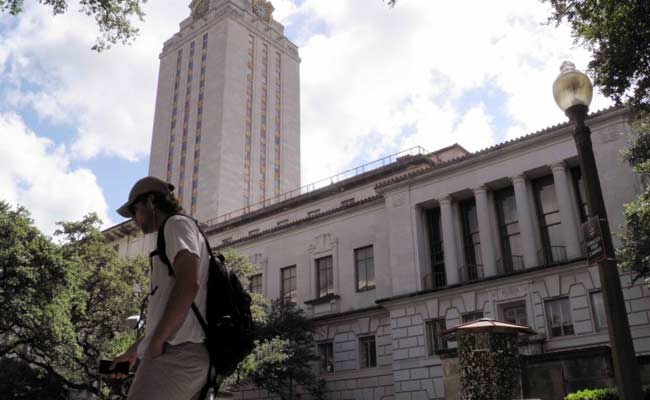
[181, 233]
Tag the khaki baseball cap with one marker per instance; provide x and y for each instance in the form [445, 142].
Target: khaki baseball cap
[148, 184]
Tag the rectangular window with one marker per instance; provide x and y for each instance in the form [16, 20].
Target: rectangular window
[256, 284]
[598, 308]
[364, 263]
[253, 232]
[367, 352]
[558, 317]
[313, 213]
[324, 276]
[288, 289]
[512, 259]
[347, 202]
[283, 222]
[473, 316]
[438, 277]
[471, 242]
[326, 356]
[434, 342]
[515, 313]
[548, 213]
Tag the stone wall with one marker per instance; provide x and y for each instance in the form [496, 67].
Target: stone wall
[349, 381]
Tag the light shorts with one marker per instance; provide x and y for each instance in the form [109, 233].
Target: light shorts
[178, 374]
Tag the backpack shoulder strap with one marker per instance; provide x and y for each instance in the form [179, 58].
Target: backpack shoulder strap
[161, 247]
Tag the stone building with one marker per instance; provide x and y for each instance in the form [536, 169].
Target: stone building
[385, 259]
[384, 256]
[226, 127]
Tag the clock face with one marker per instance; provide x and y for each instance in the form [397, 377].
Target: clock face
[260, 10]
[200, 8]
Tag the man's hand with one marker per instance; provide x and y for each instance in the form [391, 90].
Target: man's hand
[130, 355]
[156, 349]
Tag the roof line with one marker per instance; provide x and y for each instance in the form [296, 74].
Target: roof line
[493, 148]
[293, 223]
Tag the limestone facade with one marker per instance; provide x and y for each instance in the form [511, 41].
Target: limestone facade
[547, 278]
[460, 270]
[226, 128]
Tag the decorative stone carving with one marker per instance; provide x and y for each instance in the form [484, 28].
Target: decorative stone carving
[398, 200]
[260, 260]
[322, 243]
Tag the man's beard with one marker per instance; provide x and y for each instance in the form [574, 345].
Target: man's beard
[149, 222]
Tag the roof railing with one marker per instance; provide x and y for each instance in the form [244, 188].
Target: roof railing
[334, 179]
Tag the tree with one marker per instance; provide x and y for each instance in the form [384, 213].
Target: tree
[617, 32]
[113, 17]
[634, 254]
[285, 353]
[64, 304]
[284, 350]
[618, 35]
[244, 269]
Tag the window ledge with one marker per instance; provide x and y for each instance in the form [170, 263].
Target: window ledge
[324, 299]
[446, 353]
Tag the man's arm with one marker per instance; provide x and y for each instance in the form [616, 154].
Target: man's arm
[130, 355]
[186, 286]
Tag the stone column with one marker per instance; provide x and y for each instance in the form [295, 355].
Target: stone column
[569, 220]
[526, 230]
[449, 240]
[485, 232]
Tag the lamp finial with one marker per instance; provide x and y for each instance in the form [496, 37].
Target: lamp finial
[567, 66]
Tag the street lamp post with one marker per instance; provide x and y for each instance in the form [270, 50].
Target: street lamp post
[573, 91]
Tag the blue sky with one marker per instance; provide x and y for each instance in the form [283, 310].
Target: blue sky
[374, 81]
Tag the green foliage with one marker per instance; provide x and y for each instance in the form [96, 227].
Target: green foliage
[64, 304]
[634, 253]
[489, 365]
[20, 381]
[113, 17]
[241, 265]
[593, 394]
[284, 354]
[602, 394]
[618, 35]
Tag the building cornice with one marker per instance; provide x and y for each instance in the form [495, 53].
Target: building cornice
[120, 230]
[293, 224]
[485, 283]
[230, 10]
[347, 315]
[351, 183]
[493, 152]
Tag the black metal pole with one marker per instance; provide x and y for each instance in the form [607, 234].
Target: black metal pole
[626, 367]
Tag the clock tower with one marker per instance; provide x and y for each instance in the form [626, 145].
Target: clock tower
[227, 119]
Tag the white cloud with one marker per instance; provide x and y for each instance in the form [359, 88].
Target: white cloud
[37, 174]
[374, 79]
[395, 77]
[108, 97]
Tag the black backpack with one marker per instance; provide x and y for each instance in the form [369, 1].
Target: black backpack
[229, 327]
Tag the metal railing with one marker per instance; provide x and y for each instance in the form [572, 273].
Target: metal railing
[334, 179]
[434, 280]
[471, 272]
[552, 254]
[510, 264]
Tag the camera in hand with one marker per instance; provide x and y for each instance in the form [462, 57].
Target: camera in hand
[120, 367]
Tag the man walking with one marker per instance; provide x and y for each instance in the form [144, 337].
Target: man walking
[173, 358]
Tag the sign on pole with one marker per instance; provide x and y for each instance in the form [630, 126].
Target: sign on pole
[594, 246]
